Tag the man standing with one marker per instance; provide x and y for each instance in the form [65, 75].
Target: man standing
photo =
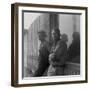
[43, 54]
[57, 55]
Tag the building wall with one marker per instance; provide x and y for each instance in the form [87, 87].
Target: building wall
[68, 24]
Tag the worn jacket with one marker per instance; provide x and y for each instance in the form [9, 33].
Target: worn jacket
[57, 58]
[43, 59]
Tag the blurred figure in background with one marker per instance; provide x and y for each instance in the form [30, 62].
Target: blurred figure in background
[74, 48]
[64, 38]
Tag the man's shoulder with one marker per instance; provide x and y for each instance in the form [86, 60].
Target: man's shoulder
[46, 45]
[61, 43]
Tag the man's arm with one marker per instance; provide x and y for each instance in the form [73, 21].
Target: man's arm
[60, 50]
[43, 62]
[58, 53]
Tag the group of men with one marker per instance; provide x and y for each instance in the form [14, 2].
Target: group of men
[51, 57]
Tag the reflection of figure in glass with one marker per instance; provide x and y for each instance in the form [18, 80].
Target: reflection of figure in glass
[57, 55]
[43, 55]
[74, 49]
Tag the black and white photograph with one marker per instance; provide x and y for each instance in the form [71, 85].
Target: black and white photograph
[51, 43]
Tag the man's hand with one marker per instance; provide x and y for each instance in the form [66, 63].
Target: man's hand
[52, 57]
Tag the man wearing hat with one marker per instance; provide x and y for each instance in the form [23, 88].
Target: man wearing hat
[43, 54]
[57, 55]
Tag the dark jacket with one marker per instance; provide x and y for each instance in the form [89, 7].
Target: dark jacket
[43, 59]
[60, 52]
[74, 51]
[57, 58]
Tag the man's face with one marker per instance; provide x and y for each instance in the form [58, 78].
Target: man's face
[41, 37]
[55, 36]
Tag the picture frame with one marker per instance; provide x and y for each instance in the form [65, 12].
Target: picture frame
[41, 16]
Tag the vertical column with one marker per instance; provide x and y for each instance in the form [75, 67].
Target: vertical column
[74, 23]
[54, 22]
